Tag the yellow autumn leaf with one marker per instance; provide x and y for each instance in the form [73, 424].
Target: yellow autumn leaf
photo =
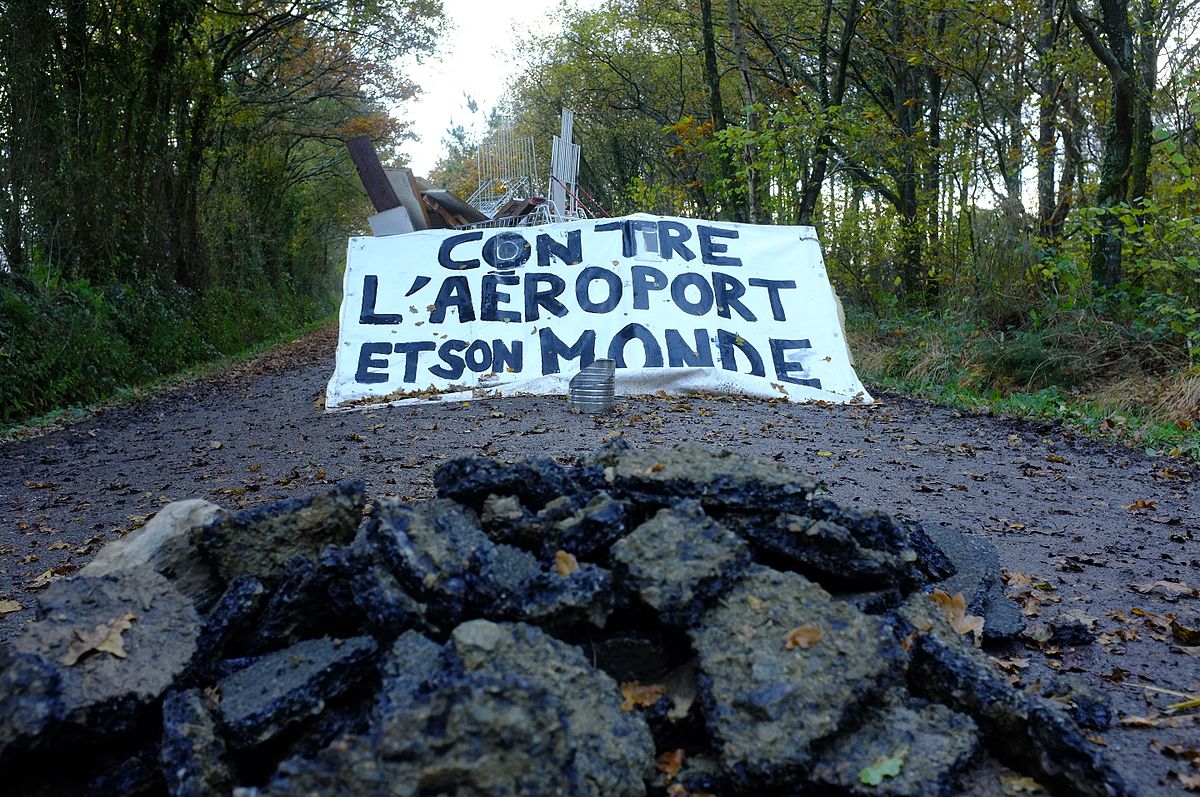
[9, 606]
[565, 563]
[638, 694]
[670, 762]
[954, 609]
[803, 637]
[105, 638]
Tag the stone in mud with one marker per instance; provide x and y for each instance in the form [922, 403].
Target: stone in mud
[662, 477]
[30, 702]
[374, 593]
[931, 743]
[613, 749]
[478, 736]
[503, 519]
[535, 481]
[411, 666]
[301, 607]
[1072, 629]
[770, 687]
[679, 561]
[554, 601]
[229, 618]
[892, 551]
[1090, 707]
[168, 544]
[825, 550]
[1027, 732]
[591, 529]
[192, 756]
[977, 577]
[136, 776]
[137, 612]
[260, 542]
[876, 601]
[283, 688]
[585, 530]
[435, 549]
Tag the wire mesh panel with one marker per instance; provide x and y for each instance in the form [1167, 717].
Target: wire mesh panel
[507, 168]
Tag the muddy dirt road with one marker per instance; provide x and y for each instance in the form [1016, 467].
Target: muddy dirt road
[1081, 526]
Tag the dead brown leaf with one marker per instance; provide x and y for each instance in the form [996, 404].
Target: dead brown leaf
[1189, 782]
[670, 762]
[803, 637]
[1012, 783]
[1167, 590]
[1143, 505]
[1183, 633]
[9, 606]
[105, 638]
[50, 575]
[954, 609]
[1013, 664]
[637, 694]
[565, 563]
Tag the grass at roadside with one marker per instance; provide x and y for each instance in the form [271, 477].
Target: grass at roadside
[1090, 378]
[130, 394]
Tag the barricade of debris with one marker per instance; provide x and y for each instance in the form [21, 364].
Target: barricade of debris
[665, 622]
[508, 194]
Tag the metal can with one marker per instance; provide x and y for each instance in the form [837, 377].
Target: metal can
[591, 390]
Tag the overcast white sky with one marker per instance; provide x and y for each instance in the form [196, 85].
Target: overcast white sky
[477, 56]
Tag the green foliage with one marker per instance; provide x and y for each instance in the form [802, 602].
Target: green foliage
[173, 177]
[1079, 368]
[74, 344]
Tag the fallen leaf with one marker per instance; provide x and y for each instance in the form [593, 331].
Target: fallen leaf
[1148, 721]
[1184, 633]
[105, 638]
[637, 694]
[1167, 590]
[954, 609]
[59, 546]
[803, 637]
[883, 767]
[824, 453]
[1190, 782]
[1014, 664]
[50, 575]
[565, 563]
[1013, 783]
[1142, 505]
[9, 606]
[670, 762]
[1192, 650]
[1056, 459]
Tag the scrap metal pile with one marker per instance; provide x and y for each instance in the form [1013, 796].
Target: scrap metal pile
[673, 621]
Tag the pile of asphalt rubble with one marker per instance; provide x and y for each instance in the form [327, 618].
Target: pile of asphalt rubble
[666, 622]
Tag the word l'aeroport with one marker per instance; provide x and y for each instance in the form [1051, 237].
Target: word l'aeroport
[539, 292]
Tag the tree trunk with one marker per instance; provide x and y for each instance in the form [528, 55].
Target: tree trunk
[1047, 127]
[712, 77]
[1116, 164]
[830, 99]
[743, 63]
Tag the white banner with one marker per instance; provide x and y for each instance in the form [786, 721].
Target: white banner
[682, 305]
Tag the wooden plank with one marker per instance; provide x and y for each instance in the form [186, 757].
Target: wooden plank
[412, 181]
[371, 172]
[441, 219]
